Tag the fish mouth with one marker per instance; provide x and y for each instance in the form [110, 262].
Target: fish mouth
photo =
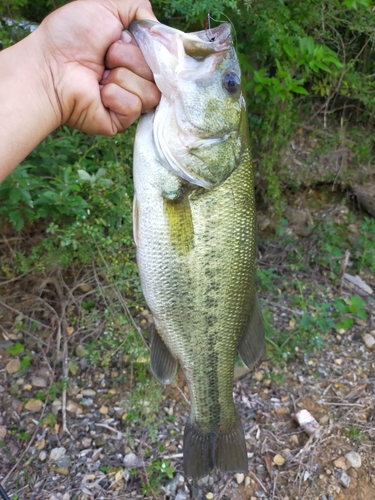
[198, 44]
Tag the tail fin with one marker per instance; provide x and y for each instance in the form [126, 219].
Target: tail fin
[225, 449]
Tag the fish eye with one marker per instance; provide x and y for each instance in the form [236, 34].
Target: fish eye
[231, 83]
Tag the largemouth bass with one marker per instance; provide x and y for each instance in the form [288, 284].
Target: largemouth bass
[194, 228]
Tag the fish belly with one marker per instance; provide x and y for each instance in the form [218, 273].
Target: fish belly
[195, 254]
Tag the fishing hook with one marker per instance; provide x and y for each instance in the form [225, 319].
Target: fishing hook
[207, 27]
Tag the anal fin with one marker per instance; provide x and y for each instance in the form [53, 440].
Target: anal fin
[163, 364]
[251, 344]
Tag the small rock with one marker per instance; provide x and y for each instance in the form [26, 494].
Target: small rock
[88, 392]
[369, 340]
[210, 496]
[85, 287]
[338, 361]
[13, 366]
[239, 478]
[103, 410]
[66, 496]
[56, 406]
[169, 410]
[306, 475]
[74, 409]
[340, 463]
[294, 439]
[63, 471]
[87, 401]
[42, 455]
[343, 478]
[261, 470]
[86, 442]
[181, 495]
[38, 381]
[64, 461]
[324, 420]
[353, 459]
[260, 494]
[278, 460]
[131, 461]
[259, 376]
[34, 405]
[203, 480]
[3, 433]
[172, 485]
[20, 381]
[41, 444]
[247, 481]
[27, 387]
[56, 454]
[83, 364]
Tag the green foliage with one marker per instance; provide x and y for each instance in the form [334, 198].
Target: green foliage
[16, 349]
[331, 240]
[310, 322]
[49, 420]
[158, 471]
[355, 434]
[25, 361]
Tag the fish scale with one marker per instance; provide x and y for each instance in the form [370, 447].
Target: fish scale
[196, 245]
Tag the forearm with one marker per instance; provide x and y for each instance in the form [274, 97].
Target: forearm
[28, 107]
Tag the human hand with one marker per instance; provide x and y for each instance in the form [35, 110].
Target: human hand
[100, 82]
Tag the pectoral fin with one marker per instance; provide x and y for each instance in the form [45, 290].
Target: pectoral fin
[251, 344]
[163, 364]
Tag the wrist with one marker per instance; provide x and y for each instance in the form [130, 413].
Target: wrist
[29, 109]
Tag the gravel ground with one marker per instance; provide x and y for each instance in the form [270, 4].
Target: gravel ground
[99, 455]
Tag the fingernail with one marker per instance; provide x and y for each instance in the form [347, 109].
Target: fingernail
[105, 74]
[126, 36]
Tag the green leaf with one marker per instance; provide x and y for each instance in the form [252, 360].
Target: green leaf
[299, 90]
[100, 173]
[351, 4]
[16, 219]
[345, 323]
[15, 194]
[290, 51]
[323, 66]
[85, 176]
[15, 349]
[306, 45]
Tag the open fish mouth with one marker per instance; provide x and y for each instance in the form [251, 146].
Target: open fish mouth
[198, 44]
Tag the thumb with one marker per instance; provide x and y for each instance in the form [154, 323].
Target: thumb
[130, 10]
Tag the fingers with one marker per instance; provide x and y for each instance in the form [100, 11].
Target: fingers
[146, 91]
[144, 11]
[124, 106]
[126, 54]
[129, 11]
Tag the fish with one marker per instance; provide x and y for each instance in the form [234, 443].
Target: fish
[194, 226]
